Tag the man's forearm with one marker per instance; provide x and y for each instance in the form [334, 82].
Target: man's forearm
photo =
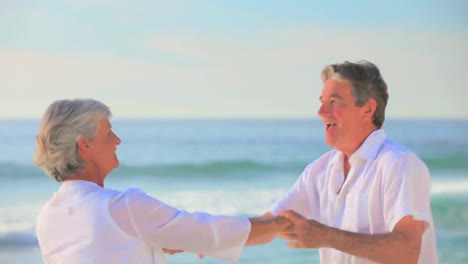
[390, 247]
[402, 245]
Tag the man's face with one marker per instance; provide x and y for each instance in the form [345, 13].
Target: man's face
[343, 120]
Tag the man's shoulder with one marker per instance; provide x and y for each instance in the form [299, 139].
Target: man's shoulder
[392, 151]
[391, 148]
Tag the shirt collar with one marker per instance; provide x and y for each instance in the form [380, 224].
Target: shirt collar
[78, 185]
[336, 159]
[368, 150]
[371, 145]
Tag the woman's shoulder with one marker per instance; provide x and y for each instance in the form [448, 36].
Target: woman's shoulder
[128, 195]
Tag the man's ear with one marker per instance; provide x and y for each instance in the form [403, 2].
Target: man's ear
[369, 109]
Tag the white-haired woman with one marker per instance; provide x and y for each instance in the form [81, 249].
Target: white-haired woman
[84, 222]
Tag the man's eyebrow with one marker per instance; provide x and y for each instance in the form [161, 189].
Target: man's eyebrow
[336, 96]
[333, 96]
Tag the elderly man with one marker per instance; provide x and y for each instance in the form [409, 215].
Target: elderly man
[368, 199]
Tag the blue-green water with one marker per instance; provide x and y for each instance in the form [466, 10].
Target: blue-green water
[235, 167]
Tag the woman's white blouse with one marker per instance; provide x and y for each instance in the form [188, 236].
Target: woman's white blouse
[85, 223]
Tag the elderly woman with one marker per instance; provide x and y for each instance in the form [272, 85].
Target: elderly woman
[84, 222]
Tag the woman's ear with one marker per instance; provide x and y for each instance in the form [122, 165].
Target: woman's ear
[82, 147]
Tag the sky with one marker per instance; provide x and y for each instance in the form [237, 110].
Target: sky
[228, 59]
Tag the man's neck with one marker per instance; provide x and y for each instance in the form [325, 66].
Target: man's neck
[346, 166]
[349, 153]
[352, 149]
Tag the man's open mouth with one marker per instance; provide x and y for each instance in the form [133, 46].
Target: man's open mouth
[328, 125]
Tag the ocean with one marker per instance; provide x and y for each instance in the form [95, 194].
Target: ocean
[236, 167]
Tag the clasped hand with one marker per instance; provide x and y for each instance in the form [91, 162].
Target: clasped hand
[303, 233]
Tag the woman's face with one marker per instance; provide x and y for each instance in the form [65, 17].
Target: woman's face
[103, 148]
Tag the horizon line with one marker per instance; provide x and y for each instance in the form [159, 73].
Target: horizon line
[177, 118]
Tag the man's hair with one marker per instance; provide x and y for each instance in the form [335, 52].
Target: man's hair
[366, 82]
[64, 122]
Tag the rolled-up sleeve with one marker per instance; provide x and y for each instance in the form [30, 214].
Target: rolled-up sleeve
[162, 226]
[409, 191]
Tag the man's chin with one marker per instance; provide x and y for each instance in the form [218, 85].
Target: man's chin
[329, 142]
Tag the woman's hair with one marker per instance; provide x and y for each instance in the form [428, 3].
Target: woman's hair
[64, 122]
[366, 82]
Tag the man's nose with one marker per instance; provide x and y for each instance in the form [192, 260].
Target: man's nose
[323, 109]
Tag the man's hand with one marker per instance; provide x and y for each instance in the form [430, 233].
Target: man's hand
[303, 233]
[265, 228]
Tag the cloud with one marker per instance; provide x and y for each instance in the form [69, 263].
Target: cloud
[271, 74]
[417, 66]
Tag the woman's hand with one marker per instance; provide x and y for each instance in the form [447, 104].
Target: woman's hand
[172, 251]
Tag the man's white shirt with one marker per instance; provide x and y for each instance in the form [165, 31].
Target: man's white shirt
[385, 183]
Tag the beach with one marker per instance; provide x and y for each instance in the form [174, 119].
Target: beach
[234, 167]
